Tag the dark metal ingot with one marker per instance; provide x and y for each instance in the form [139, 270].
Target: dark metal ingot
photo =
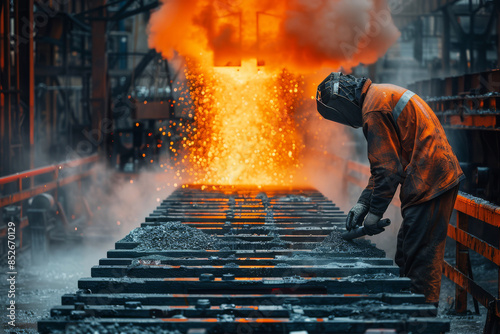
[133, 304]
[291, 301]
[156, 313]
[225, 317]
[207, 277]
[228, 277]
[79, 306]
[78, 315]
[203, 304]
[229, 214]
[228, 306]
[197, 331]
[83, 291]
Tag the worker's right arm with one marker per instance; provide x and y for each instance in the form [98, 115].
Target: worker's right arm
[384, 155]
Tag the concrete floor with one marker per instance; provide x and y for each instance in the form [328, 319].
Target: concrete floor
[39, 287]
[466, 324]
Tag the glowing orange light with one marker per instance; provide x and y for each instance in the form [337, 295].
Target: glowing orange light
[242, 132]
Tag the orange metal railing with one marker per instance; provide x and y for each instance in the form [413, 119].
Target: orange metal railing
[80, 169]
[56, 182]
[470, 207]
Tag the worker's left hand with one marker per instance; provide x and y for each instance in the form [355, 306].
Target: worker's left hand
[370, 224]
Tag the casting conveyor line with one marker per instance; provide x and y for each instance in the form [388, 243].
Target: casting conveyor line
[270, 272]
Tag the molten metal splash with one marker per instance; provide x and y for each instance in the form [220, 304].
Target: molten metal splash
[243, 131]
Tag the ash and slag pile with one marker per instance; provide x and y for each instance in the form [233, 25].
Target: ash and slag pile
[171, 235]
[294, 198]
[334, 243]
[175, 235]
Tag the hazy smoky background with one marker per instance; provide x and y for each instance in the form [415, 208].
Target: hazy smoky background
[297, 34]
[122, 201]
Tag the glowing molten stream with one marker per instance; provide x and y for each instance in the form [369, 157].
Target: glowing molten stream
[243, 131]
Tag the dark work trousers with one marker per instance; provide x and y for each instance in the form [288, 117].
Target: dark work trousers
[421, 241]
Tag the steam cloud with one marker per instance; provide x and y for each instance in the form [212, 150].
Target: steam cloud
[296, 34]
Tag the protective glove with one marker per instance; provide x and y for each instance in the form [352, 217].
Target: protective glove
[370, 224]
[356, 215]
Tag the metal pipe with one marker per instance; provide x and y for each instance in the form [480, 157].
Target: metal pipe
[5, 129]
[48, 169]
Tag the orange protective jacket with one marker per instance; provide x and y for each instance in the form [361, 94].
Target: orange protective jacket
[413, 152]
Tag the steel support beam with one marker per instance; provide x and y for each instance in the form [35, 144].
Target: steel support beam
[99, 97]
[6, 91]
[126, 14]
[497, 7]
[27, 78]
[138, 70]
[405, 12]
[461, 36]
[446, 41]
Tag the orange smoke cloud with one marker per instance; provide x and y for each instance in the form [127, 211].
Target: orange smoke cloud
[296, 34]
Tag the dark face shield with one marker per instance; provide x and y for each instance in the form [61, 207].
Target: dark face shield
[337, 99]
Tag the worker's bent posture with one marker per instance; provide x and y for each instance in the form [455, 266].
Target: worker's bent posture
[406, 145]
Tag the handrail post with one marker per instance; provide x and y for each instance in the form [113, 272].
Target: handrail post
[20, 186]
[462, 262]
[56, 190]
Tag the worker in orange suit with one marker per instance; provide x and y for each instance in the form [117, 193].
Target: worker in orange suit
[407, 146]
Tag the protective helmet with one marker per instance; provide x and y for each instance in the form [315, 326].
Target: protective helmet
[340, 98]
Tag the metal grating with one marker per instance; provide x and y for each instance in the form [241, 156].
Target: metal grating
[269, 274]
